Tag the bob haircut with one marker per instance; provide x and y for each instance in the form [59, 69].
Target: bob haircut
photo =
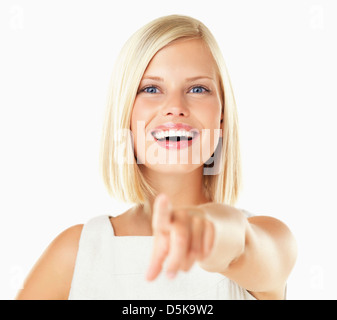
[123, 179]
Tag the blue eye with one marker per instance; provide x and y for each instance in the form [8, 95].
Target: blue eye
[150, 89]
[199, 89]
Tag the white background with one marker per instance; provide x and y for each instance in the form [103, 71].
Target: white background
[55, 65]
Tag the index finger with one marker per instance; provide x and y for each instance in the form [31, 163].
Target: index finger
[162, 214]
[161, 220]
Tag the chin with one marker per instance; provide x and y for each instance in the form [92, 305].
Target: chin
[172, 168]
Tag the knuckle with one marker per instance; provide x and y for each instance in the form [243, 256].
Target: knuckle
[191, 257]
[187, 265]
[195, 251]
[198, 222]
[164, 251]
[181, 233]
[181, 238]
[200, 256]
[181, 216]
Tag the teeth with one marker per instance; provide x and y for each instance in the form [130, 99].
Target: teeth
[173, 133]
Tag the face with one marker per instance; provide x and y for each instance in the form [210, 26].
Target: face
[180, 89]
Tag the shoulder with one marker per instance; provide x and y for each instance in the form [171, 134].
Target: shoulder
[69, 237]
[65, 245]
[51, 276]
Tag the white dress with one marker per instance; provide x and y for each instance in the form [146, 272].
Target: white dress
[113, 267]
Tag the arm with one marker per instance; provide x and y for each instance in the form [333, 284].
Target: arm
[51, 277]
[260, 251]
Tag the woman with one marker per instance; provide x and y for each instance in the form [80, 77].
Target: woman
[170, 146]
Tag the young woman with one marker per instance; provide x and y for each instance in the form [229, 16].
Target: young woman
[170, 146]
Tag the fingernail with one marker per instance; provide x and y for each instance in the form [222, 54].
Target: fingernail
[163, 197]
[171, 274]
[149, 274]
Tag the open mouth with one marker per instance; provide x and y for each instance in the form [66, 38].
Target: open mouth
[175, 139]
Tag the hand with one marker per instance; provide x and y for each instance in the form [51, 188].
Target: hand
[184, 236]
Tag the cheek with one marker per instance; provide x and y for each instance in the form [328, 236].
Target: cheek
[139, 114]
[211, 117]
[135, 116]
[210, 114]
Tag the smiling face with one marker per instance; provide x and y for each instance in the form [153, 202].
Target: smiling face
[179, 86]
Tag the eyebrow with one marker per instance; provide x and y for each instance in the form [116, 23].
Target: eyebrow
[187, 79]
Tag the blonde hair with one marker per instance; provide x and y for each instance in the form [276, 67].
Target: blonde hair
[124, 181]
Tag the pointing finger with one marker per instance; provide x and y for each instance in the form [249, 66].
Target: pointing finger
[162, 214]
[160, 251]
[161, 221]
[179, 244]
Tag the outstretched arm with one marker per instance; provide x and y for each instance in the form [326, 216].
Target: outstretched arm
[261, 251]
[257, 253]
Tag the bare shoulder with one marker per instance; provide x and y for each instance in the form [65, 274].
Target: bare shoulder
[51, 276]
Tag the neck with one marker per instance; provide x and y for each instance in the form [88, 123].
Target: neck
[182, 189]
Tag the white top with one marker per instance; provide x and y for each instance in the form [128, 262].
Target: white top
[114, 267]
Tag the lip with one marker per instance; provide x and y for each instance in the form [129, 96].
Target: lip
[175, 144]
[174, 126]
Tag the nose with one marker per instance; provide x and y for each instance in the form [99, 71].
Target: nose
[175, 105]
